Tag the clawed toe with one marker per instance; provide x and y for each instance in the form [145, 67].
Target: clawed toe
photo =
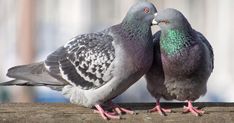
[160, 110]
[192, 109]
[120, 110]
[104, 114]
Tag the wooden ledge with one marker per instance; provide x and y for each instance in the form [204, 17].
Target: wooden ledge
[70, 113]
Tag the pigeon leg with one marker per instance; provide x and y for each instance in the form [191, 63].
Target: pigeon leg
[104, 114]
[159, 109]
[192, 109]
[119, 109]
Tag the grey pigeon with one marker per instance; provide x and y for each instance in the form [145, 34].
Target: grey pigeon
[183, 62]
[94, 68]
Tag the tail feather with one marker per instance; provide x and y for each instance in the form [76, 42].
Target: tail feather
[26, 83]
[12, 82]
[31, 75]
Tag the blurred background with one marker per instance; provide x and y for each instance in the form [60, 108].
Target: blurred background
[31, 29]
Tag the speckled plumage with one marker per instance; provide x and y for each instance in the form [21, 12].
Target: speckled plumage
[94, 68]
[83, 61]
[183, 59]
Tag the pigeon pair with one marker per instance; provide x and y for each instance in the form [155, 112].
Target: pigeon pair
[94, 68]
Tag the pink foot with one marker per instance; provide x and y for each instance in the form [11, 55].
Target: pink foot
[192, 109]
[119, 109]
[159, 109]
[104, 114]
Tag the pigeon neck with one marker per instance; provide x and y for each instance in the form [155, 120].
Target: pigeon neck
[136, 29]
[174, 41]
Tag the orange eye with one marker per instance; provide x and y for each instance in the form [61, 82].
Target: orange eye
[146, 10]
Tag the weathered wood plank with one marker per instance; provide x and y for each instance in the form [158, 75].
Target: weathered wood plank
[70, 113]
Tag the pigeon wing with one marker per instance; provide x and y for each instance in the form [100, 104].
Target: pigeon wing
[206, 42]
[84, 61]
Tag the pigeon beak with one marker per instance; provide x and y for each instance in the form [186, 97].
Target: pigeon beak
[154, 22]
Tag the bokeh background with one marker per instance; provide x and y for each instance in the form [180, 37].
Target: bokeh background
[31, 29]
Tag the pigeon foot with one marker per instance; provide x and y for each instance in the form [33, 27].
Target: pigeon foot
[104, 114]
[192, 109]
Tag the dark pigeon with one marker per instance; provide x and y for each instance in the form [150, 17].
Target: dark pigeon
[94, 68]
[183, 62]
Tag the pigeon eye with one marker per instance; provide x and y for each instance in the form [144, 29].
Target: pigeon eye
[146, 10]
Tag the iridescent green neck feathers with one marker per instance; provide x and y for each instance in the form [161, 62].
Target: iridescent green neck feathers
[173, 41]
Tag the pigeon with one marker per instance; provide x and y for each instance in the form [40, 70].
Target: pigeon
[183, 62]
[92, 69]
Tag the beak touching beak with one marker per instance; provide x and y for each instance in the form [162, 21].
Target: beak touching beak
[154, 22]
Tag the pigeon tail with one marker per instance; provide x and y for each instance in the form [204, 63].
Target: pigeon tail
[31, 75]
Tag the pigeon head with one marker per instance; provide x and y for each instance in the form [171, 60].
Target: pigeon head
[141, 12]
[170, 19]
